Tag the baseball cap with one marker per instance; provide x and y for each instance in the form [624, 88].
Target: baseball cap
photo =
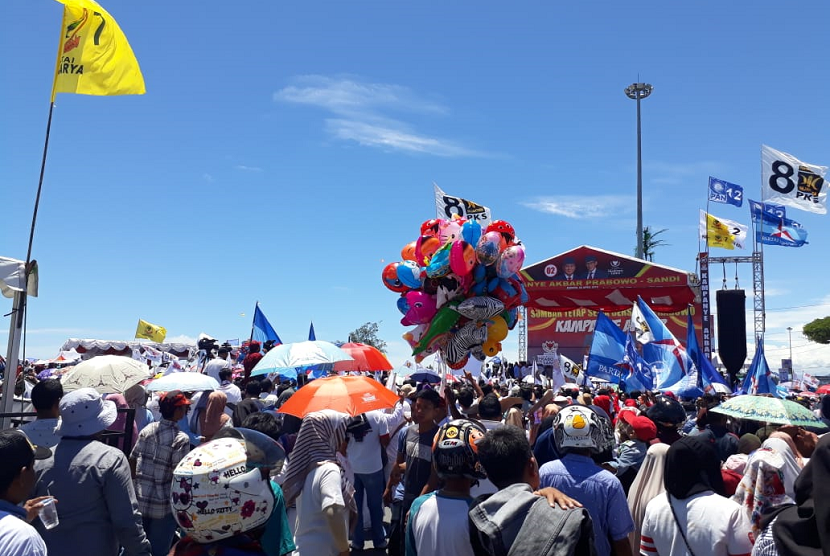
[644, 428]
[16, 450]
[172, 400]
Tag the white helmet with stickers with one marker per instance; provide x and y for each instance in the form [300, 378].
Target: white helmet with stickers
[220, 490]
[579, 426]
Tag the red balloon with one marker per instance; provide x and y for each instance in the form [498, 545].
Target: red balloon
[430, 227]
[502, 227]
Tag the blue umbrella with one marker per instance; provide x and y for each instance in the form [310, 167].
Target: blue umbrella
[426, 375]
[285, 359]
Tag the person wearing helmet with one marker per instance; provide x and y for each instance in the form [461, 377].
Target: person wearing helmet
[221, 495]
[668, 415]
[580, 432]
[455, 459]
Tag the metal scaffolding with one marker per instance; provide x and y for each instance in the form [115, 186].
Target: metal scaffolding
[522, 333]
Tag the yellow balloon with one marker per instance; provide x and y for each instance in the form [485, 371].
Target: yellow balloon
[497, 331]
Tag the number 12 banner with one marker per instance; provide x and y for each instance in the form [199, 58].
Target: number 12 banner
[791, 182]
[724, 192]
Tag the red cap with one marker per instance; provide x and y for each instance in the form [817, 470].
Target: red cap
[173, 399]
[644, 428]
[630, 403]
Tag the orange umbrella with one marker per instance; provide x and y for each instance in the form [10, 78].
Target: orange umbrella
[348, 394]
[366, 358]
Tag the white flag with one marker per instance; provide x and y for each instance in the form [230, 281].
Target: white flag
[570, 370]
[639, 325]
[447, 205]
[788, 181]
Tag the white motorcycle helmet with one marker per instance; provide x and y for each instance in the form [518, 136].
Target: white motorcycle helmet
[219, 490]
[579, 426]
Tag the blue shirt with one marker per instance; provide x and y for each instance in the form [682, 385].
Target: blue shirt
[599, 491]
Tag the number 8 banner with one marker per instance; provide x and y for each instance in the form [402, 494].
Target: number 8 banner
[788, 181]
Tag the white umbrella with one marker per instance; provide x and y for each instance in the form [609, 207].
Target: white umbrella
[108, 374]
[184, 381]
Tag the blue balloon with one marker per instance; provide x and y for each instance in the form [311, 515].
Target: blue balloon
[403, 305]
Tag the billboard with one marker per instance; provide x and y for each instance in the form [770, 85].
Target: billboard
[568, 290]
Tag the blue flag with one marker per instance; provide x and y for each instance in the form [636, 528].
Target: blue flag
[311, 336]
[639, 375]
[759, 378]
[707, 374]
[760, 210]
[607, 347]
[724, 192]
[780, 231]
[263, 331]
[662, 352]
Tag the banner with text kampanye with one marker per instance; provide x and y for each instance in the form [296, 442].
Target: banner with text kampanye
[561, 313]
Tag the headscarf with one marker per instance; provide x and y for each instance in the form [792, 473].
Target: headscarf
[824, 408]
[321, 434]
[804, 529]
[692, 467]
[748, 443]
[136, 396]
[120, 423]
[762, 486]
[213, 417]
[514, 417]
[791, 469]
[647, 484]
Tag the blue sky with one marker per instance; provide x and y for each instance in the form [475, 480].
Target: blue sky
[285, 151]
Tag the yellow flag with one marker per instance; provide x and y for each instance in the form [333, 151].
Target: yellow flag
[720, 232]
[94, 57]
[150, 331]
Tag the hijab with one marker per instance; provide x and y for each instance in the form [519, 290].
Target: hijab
[321, 434]
[213, 417]
[692, 467]
[647, 484]
[120, 423]
[792, 467]
[804, 529]
[762, 486]
[748, 443]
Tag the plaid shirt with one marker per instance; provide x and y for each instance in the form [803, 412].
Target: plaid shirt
[159, 449]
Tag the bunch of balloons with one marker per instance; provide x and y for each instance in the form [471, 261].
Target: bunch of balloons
[461, 288]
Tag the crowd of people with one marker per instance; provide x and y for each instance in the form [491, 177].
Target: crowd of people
[492, 465]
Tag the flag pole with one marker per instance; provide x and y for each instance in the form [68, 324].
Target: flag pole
[253, 323]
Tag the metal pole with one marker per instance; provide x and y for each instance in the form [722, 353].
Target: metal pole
[639, 184]
[12, 357]
[790, 330]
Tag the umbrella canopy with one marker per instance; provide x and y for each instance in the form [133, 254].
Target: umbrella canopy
[185, 381]
[823, 389]
[365, 358]
[426, 375]
[107, 374]
[769, 410]
[348, 394]
[289, 357]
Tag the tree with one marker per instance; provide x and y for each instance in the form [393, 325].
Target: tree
[650, 241]
[368, 334]
[818, 331]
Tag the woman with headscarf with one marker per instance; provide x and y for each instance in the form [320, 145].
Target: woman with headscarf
[214, 418]
[315, 480]
[136, 397]
[802, 529]
[784, 445]
[691, 517]
[120, 423]
[647, 484]
[762, 486]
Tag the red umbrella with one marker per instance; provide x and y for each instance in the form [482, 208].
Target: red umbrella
[348, 394]
[823, 389]
[366, 358]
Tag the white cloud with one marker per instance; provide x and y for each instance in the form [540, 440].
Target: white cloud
[207, 177]
[363, 114]
[580, 207]
[248, 168]
[667, 173]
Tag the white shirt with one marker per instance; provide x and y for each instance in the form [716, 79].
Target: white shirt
[320, 490]
[232, 391]
[438, 526]
[364, 456]
[41, 432]
[18, 538]
[714, 525]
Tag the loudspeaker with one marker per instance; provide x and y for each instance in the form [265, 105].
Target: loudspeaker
[732, 330]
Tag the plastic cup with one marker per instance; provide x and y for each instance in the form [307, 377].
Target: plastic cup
[49, 514]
